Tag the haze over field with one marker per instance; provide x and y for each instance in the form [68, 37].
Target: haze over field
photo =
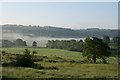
[42, 34]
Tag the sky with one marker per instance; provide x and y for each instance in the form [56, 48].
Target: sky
[75, 15]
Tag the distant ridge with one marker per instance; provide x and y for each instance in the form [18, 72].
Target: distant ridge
[57, 32]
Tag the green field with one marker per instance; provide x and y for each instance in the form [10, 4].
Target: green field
[66, 69]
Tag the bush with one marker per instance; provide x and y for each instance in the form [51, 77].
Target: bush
[3, 52]
[25, 60]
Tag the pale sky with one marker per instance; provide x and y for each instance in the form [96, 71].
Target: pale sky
[75, 15]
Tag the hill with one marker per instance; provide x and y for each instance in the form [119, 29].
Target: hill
[49, 31]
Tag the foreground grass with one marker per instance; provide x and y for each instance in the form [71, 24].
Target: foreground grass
[66, 70]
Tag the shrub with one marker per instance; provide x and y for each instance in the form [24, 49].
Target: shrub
[3, 51]
[25, 60]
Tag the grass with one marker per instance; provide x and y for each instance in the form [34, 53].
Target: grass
[65, 69]
[48, 52]
[77, 56]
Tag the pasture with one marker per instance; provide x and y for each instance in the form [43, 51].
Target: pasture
[68, 63]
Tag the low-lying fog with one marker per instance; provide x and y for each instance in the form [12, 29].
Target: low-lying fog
[14, 36]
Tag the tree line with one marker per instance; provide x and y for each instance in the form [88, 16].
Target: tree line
[17, 43]
[74, 45]
[50, 31]
[115, 40]
[71, 45]
[91, 48]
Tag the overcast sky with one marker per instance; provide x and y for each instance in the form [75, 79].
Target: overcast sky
[75, 15]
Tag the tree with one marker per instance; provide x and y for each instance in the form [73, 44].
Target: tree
[116, 40]
[106, 39]
[81, 41]
[95, 48]
[24, 43]
[34, 44]
[7, 43]
[19, 42]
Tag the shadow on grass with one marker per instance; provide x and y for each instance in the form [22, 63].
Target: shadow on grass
[35, 66]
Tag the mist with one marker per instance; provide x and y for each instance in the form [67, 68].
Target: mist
[14, 36]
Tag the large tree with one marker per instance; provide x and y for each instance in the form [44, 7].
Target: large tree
[94, 48]
[19, 42]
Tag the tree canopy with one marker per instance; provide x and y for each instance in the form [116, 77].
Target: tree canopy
[116, 40]
[71, 45]
[95, 48]
[106, 39]
[16, 43]
[34, 44]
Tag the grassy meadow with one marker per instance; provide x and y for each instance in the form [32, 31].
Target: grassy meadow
[69, 65]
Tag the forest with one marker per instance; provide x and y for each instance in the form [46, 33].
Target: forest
[50, 31]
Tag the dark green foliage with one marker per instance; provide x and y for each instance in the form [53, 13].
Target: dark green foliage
[19, 42]
[24, 43]
[95, 48]
[25, 60]
[39, 66]
[3, 52]
[116, 41]
[34, 44]
[49, 31]
[16, 43]
[106, 39]
[71, 45]
[7, 43]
